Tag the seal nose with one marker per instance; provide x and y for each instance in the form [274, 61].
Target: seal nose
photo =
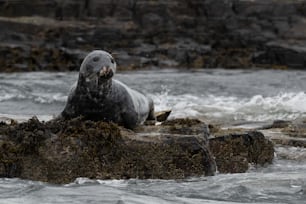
[106, 72]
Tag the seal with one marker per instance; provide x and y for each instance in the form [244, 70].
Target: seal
[97, 96]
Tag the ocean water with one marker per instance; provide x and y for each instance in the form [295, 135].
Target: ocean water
[229, 97]
[222, 95]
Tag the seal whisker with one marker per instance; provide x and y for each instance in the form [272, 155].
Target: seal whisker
[92, 76]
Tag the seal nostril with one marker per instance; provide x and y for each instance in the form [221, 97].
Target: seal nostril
[95, 59]
[112, 61]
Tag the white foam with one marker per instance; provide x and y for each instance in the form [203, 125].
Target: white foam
[22, 118]
[10, 96]
[48, 98]
[291, 153]
[285, 106]
[43, 98]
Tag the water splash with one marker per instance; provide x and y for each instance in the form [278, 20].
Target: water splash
[11, 96]
[49, 98]
[284, 106]
[161, 100]
[217, 96]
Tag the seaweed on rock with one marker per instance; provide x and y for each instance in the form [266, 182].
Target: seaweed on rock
[61, 151]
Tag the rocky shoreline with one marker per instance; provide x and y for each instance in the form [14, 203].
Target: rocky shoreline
[56, 35]
[61, 151]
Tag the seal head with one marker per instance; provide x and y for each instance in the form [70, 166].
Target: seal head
[97, 67]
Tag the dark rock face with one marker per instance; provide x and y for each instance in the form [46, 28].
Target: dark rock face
[177, 33]
[234, 152]
[283, 55]
[61, 151]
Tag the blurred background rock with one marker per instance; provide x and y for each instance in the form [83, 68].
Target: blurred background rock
[55, 35]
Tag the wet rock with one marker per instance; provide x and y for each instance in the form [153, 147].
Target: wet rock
[234, 152]
[173, 155]
[61, 151]
[296, 129]
[292, 135]
[277, 124]
[185, 126]
[289, 141]
[288, 133]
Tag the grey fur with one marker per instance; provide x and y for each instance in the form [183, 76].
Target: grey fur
[96, 96]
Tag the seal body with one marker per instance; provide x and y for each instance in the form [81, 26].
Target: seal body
[97, 96]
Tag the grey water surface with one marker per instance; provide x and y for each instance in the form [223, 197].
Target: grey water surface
[225, 96]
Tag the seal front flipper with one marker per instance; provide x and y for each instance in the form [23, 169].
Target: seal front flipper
[129, 120]
[69, 111]
[151, 115]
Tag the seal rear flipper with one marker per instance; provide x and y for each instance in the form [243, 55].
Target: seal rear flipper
[162, 116]
[151, 115]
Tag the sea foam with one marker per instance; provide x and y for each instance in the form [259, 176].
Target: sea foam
[282, 106]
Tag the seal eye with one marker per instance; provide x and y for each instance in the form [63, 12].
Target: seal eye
[112, 61]
[95, 59]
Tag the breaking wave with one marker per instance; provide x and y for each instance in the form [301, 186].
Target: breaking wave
[42, 98]
[283, 106]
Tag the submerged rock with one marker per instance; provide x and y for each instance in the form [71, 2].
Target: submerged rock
[61, 151]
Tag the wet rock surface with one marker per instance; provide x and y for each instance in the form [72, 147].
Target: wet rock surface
[61, 151]
[55, 35]
[291, 134]
[234, 152]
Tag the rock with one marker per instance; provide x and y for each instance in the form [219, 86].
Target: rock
[281, 54]
[192, 34]
[61, 151]
[288, 133]
[234, 152]
[293, 134]
[277, 124]
[288, 141]
[36, 7]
